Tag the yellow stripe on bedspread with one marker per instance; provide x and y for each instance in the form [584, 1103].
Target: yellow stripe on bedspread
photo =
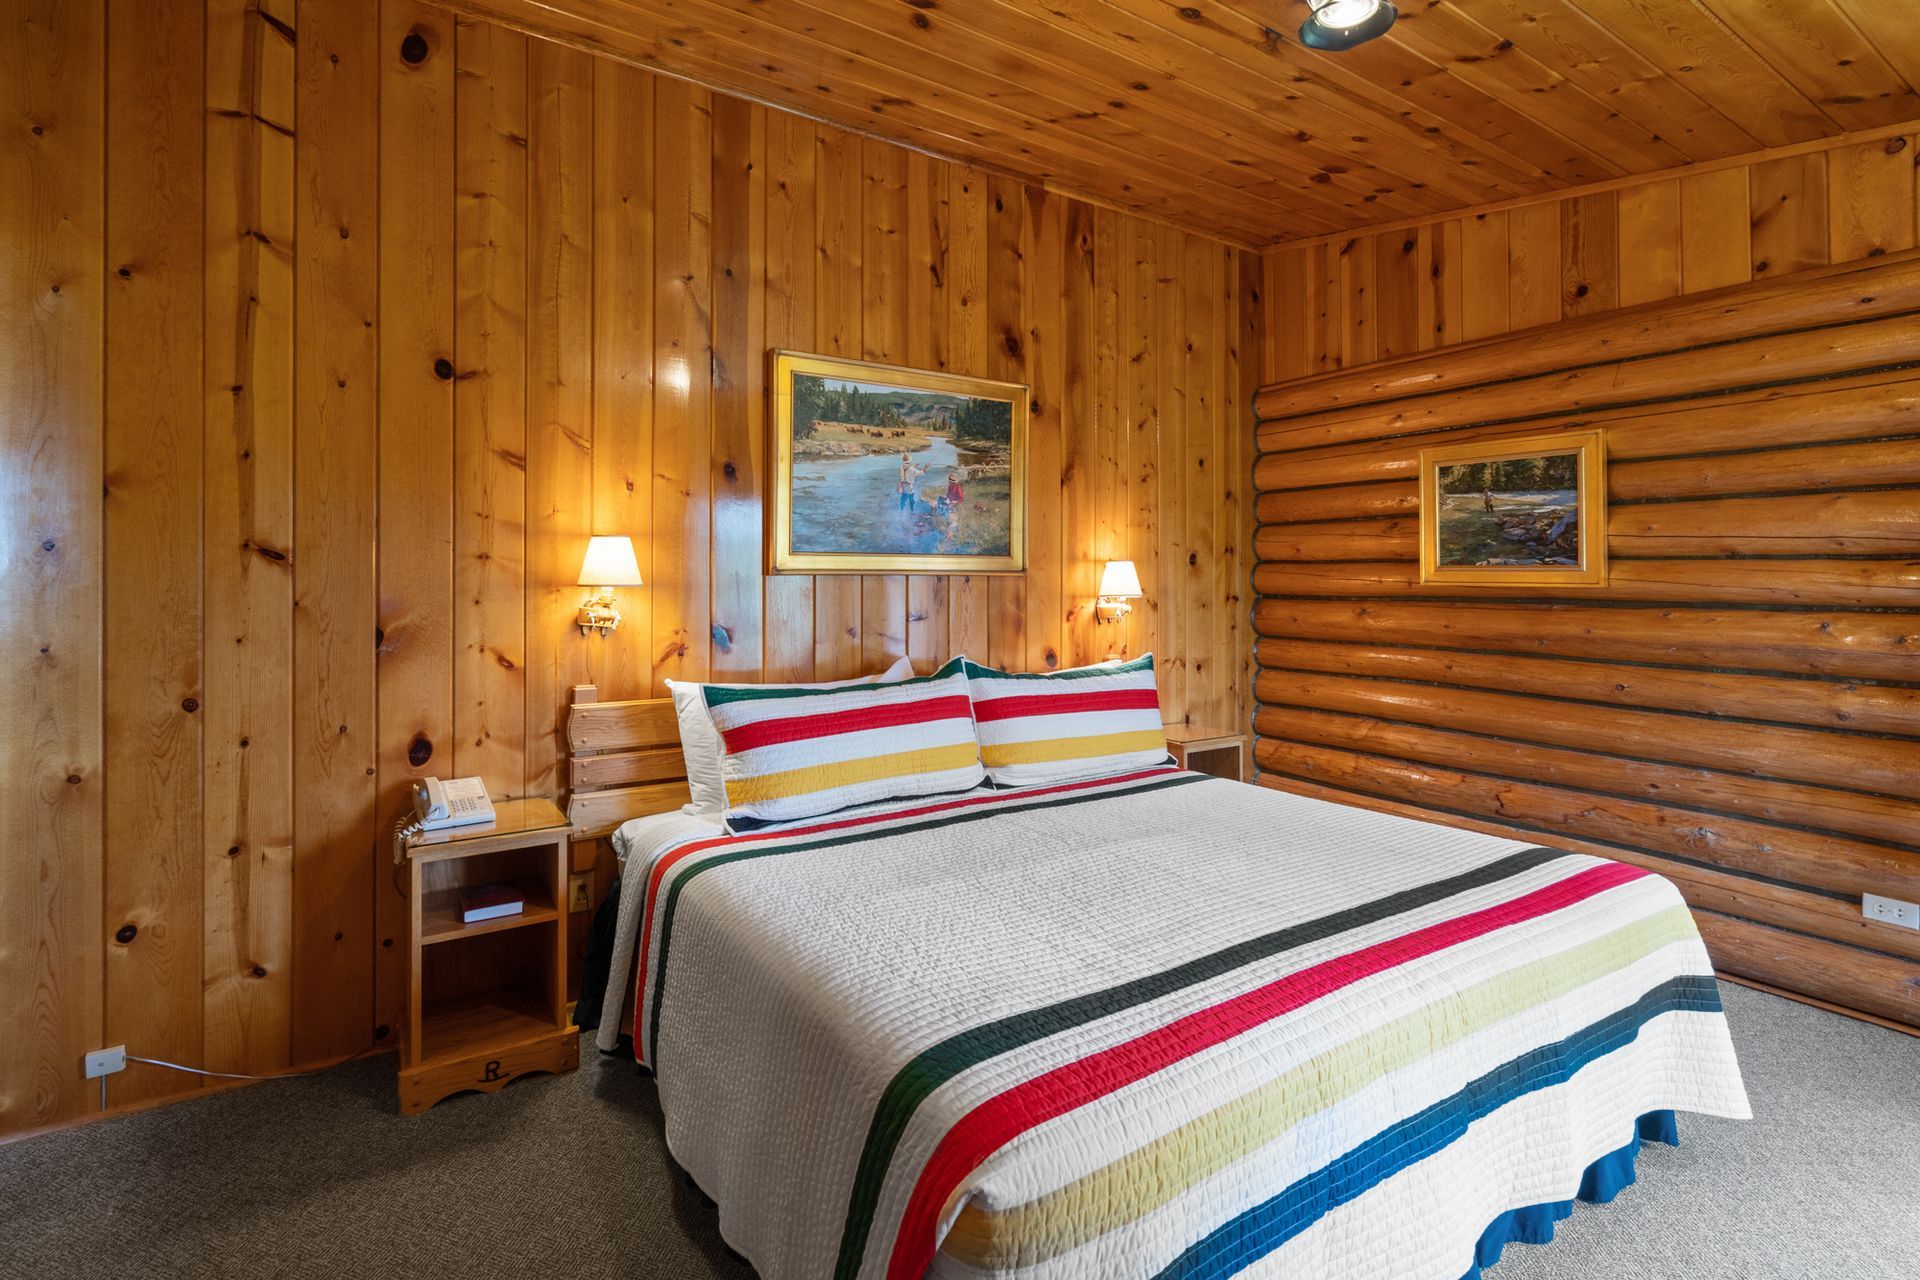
[1155, 1174]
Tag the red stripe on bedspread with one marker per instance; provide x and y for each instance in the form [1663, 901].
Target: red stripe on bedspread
[1000, 1119]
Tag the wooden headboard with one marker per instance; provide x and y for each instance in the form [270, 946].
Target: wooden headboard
[623, 761]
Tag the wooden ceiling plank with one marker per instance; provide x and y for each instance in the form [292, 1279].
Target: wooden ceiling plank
[1502, 70]
[1293, 108]
[1389, 68]
[1814, 47]
[1896, 40]
[1689, 44]
[1246, 51]
[981, 59]
[1234, 220]
[1217, 209]
[1295, 128]
[1023, 51]
[1611, 70]
[1007, 130]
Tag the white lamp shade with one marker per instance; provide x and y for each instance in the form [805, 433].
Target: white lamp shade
[1120, 579]
[610, 562]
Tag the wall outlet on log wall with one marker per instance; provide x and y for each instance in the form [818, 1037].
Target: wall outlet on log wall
[579, 891]
[1890, 911]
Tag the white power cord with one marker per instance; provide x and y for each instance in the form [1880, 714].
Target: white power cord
[236, 1075]
[239, 1075]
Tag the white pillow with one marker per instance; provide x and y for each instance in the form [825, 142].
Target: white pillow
[700, 741]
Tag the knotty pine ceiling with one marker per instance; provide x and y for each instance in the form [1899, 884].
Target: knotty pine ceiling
[1211, 114]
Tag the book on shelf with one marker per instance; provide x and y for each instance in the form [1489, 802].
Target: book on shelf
[489, 902]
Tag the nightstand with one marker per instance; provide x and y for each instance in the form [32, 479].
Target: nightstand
[1212, 751]
[486, 1002]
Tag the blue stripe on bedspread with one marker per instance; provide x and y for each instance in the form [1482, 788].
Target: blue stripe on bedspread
[1252, 1235]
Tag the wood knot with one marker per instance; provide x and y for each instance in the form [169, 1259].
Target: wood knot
[419, 751]
[126, 933]
[189, 705]
[443, 369]
[413, 48]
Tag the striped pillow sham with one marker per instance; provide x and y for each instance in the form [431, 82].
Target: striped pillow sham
[1066, 724]
[700, 741]
[796, 753]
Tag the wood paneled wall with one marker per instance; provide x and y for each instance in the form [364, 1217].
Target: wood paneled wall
[332, 329]
[1739, 708]
[1339, 301]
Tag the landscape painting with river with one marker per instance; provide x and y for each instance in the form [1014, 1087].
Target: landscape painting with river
[881, 468]
[1515, 512]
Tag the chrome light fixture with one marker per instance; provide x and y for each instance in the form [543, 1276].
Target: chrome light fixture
[1342, 24]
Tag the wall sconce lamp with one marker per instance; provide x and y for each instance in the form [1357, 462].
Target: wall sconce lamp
[609, 563]
[1119, 583]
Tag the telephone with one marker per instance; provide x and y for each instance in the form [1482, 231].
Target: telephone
[438, 805]
[458, 803]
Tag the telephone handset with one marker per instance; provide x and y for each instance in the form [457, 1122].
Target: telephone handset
[458, 803]
[437, 805]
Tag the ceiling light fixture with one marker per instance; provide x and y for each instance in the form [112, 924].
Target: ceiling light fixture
[1342, 24]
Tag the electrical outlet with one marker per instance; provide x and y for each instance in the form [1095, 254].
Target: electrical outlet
[105, 1062]
[1890, 911]
[580, 891]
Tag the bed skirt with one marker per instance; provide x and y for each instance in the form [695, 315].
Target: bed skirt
[1604, 1179]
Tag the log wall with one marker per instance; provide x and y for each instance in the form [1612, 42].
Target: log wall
[329, 331]
[1738, 708]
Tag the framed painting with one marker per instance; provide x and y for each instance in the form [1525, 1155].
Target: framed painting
[880, 469]
[1515, 513]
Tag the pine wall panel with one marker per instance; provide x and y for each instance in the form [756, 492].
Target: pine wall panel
[332, 330]
[1739, 707]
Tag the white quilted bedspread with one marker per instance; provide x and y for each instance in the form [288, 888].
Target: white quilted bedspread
[1160, 1025]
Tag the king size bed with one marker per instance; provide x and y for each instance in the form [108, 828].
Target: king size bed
[1152, 1024]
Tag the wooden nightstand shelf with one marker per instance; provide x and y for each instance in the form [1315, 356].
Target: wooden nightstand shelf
[486, 1002]
[1213, 751]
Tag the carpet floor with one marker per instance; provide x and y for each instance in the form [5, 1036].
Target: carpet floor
[569, 1176]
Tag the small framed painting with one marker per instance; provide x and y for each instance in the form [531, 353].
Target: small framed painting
[1515, 513]
[879, 469]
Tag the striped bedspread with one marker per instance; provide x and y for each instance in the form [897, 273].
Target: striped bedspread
[1151, 1025]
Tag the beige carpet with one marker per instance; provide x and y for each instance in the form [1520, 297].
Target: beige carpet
[568, 1176]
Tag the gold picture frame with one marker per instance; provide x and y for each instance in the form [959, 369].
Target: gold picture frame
[1518, 513]
[953, 506]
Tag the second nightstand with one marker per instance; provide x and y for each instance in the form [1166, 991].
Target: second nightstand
[1212, 751]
